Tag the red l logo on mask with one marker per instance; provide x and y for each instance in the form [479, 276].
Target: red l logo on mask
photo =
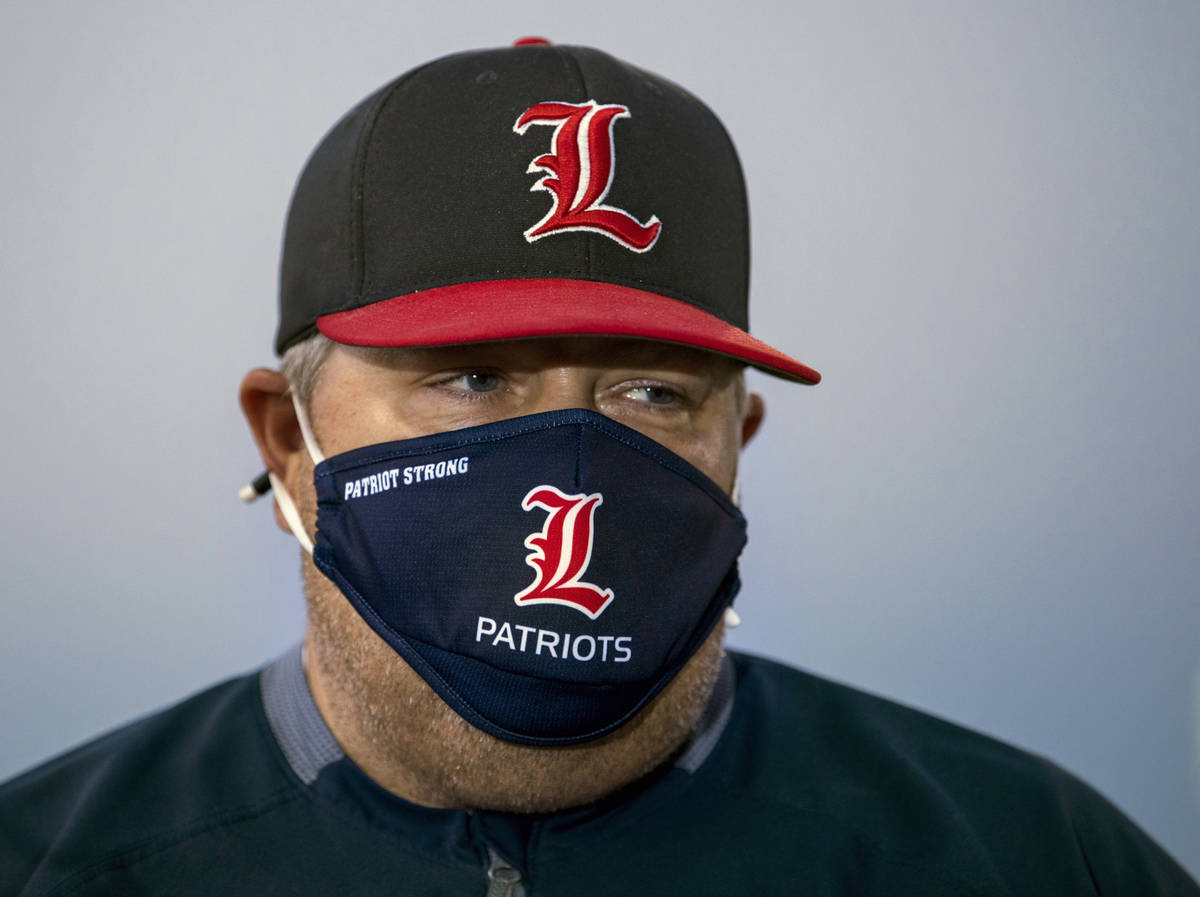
[579, 171]
[560, 553]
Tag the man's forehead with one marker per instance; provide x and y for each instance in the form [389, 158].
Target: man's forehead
[601, 352]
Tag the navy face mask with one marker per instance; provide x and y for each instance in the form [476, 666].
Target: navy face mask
[546, 575]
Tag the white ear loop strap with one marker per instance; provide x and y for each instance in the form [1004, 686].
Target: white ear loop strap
[286, 506]
[310, 441]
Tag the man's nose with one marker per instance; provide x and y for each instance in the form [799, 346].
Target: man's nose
[566, 387]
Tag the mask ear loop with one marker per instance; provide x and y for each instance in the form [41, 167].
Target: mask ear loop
[292, 516]
[287, 507]
[306, 433]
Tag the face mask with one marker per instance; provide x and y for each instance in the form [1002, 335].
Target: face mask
[546, 575]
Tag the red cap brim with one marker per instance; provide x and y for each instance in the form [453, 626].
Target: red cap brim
[489, 310]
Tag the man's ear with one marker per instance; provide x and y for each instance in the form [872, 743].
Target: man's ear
[756, 410]
[267, 403]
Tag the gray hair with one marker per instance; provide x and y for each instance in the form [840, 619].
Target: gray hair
[302, 363]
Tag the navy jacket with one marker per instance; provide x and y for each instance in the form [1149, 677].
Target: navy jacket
[792, 784]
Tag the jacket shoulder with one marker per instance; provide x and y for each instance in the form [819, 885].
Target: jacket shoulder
[162, 777]
[927, 791]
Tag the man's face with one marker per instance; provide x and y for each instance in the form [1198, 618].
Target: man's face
[690, 401]
[386, 717]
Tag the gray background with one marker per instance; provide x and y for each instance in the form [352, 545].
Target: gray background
[979, 221]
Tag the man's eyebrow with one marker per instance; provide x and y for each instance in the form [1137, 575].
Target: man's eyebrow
[385, 356]
[617, 352]
[667, 354]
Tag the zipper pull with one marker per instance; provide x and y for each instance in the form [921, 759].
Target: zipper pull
[503, 879]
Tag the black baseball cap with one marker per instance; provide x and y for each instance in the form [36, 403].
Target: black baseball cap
[533, 190]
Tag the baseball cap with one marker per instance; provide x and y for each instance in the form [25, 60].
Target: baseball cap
[527, 191]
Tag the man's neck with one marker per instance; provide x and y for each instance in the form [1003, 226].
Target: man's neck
[406, 739]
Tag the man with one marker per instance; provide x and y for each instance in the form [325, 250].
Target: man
[506, 435]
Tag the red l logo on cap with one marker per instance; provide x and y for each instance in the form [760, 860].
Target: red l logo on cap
[579, 171]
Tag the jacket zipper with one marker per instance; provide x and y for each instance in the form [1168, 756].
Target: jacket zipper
[503, 879]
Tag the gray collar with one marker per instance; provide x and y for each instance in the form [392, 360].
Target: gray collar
[296, 722]
[712, 721]
[309, 746]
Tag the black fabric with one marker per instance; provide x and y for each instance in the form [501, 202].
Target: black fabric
[813, 788]
[426, 184]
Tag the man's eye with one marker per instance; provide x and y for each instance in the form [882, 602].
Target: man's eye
[655, 395]
[477, 381]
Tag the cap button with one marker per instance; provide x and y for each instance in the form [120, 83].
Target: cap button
[529, 41]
